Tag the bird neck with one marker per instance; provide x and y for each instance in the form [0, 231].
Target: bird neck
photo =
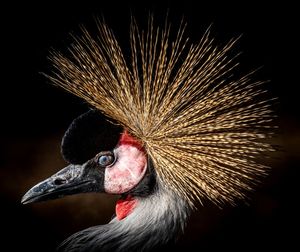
[154, 221]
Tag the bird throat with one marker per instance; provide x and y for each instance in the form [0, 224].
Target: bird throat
[125, 206]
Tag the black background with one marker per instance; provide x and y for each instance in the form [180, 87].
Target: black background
[34, 115]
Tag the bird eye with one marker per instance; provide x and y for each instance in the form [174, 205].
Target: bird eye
[106, 159]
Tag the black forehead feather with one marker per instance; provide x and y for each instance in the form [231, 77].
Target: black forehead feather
[87, 135]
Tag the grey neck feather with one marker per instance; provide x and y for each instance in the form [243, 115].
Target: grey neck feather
[156, 220]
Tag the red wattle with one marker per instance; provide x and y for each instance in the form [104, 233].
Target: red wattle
[124, 207]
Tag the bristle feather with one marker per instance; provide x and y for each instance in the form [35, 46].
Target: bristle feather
[201, 125]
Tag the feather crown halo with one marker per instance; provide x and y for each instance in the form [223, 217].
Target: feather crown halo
[202, 125]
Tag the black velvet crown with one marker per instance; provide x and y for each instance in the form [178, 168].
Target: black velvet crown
[89, 134]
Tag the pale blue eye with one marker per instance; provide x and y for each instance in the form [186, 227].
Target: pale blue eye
[106, 160]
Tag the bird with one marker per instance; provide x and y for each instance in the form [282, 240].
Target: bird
[169, 125]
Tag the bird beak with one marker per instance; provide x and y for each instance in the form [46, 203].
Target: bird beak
[73, 179]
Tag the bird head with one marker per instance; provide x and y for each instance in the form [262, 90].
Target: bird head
[191, 129]
[102, 158]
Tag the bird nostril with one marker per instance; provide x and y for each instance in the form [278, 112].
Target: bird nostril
[59, 181]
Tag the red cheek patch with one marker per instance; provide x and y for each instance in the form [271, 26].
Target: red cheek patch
[125, 206]
[127, 139]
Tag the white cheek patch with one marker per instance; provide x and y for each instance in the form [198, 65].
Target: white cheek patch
[127, 172]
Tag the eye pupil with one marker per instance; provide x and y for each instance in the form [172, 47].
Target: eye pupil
[106, 160]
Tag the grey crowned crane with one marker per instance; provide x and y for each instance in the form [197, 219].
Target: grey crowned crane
[170, 125]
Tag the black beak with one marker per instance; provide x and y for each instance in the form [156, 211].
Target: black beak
[73, 179]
